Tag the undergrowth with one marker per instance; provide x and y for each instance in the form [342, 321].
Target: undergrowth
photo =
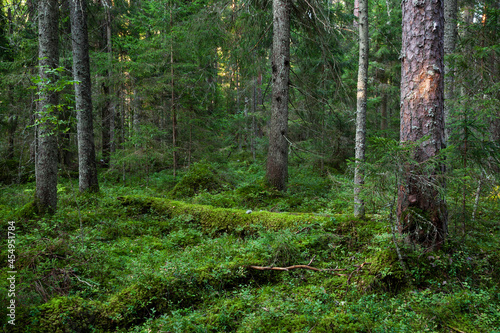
[133, 259]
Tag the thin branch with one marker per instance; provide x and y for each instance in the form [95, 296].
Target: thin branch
[272, 268]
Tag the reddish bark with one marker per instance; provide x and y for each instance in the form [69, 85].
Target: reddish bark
[421, 211]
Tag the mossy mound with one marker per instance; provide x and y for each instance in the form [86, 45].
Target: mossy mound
[62, 314]
[200, 177]
[28, 211]
[222, 219]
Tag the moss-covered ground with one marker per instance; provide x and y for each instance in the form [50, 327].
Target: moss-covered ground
[177, 256]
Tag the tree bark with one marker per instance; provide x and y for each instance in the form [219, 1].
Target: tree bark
[46, 156]
[421, 211]
[277, 158]
[83, 95]
[359, 175]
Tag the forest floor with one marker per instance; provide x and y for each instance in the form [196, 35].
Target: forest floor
[215, 250]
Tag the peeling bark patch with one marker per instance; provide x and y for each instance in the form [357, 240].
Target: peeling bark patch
[426, 84]
[274, 68]
[418, 3]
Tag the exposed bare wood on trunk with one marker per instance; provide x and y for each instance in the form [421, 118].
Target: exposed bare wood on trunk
[277, 158]
[421, 210]
[359, 175]
[83, 96]
[46, 155]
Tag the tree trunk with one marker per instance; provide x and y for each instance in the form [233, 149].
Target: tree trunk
[136, 114]
[46, 156]
[173, 107]
[277, 158]
[107, 110]
[383, 114]
[421, 211]
[356, 13]
[359, 175]
[450, 38]
[12, 123]
[83, 96]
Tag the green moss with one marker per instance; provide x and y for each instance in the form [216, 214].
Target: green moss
[62, 314]
[200, 177]
[386, 272]
[28, 211]
[222, 219]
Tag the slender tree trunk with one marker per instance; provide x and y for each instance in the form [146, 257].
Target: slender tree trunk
[11, 129]
[105, 126]
[107, 110]
[64, 141]
[254, 110]
[421, 210]
[112, 104]
[83, 96]
[136, 114]
[356, 13]
[190, 145]
[450, 38]
[277, 158]
[359, 175]
[383, 114]
[174, 113]
[46, 156]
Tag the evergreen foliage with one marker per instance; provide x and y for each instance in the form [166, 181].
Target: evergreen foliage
[162, 251]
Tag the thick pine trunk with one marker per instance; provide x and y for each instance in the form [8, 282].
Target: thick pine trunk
[81, 73]
[47, 155]
[359, 205]
[421, 209]
[277, 158]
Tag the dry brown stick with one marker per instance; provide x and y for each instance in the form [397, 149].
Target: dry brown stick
[356, 271]
[456, 329]
[272, 268]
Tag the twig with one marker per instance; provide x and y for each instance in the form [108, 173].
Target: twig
[78, 278]
[356, 271]
[302, 230]
[272, 268]
[455, 329]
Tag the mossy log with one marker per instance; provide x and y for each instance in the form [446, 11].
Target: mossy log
[223, 219]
